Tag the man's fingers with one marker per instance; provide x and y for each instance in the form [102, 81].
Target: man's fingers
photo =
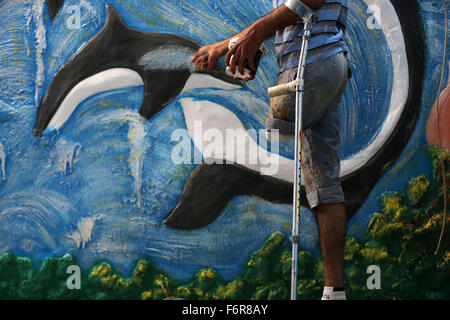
[234, 57]
[228, 55]
[241, 66]
[200, 62]
[237, 57]
[233, 61]
[239, 61]
[251, 63]
[211, 63]
[196, 55]
[200, 52]
[201, 65]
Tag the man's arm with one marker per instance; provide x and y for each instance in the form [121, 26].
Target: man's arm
[250, 39]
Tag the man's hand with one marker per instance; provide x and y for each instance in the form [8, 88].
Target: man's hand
[206, 57]
[244, 49]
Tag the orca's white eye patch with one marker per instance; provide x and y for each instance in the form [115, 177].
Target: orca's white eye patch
[167, 58]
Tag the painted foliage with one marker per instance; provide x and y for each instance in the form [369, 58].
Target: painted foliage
[93, 94]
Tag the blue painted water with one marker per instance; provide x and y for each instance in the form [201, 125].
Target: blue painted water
[101, 187]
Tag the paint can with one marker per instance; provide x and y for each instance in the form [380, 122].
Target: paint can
[249, 74]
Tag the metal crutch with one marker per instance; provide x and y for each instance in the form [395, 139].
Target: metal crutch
[296, 86]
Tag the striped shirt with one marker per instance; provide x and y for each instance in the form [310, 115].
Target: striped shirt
[327, 35]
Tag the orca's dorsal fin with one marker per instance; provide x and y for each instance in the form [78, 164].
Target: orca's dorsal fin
[113, 19]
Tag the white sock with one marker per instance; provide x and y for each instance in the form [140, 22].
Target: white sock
[329, 293]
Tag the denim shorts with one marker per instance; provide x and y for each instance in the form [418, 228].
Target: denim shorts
[325, 82]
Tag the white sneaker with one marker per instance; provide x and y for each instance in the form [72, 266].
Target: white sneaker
[329, 293]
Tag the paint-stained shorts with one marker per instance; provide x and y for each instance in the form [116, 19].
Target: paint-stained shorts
[325, 83]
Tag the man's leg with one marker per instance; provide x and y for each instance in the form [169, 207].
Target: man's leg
[325, 83]
[332, 224]
[320, 169]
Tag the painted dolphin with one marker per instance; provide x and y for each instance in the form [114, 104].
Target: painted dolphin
[211, 187]
[119, 57]
[53, 7]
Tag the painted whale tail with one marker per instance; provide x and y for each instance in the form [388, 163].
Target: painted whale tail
[215, 185]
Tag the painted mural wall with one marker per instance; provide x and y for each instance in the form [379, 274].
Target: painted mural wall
[106, 162]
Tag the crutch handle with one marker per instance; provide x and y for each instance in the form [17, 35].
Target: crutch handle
[284, 88]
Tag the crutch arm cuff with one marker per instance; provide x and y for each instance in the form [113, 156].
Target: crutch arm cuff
[305, 12]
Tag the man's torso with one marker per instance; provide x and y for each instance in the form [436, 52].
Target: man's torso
[327, 35]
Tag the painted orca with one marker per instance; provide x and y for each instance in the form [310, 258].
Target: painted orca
[119, 57]
[211, 187]
[53, 7]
